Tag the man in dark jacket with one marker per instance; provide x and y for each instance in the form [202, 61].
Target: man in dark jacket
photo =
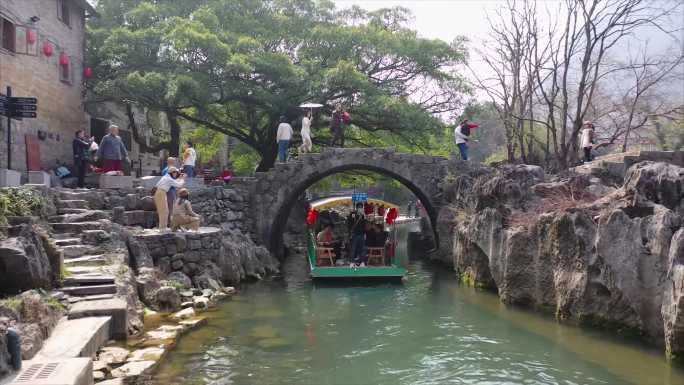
[81, 149]
[356, 224]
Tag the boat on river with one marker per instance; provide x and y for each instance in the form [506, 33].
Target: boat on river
[383, 263]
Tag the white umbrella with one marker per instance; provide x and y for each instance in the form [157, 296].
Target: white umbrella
[311, 105]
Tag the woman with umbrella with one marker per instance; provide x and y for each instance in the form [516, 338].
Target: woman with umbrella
[307, 144]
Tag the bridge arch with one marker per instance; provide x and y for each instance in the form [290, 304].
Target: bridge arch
[278, 190]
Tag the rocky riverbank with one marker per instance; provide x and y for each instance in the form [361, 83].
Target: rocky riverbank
[100, 269]
[588, 251]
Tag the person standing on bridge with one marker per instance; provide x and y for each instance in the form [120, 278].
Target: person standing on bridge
[283, 138]
[337, 126]
[462, 135]
[587, 140]
[307, 145]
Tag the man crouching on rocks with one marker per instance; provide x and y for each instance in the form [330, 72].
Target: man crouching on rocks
[13, 342]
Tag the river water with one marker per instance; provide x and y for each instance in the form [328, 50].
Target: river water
[429, 330]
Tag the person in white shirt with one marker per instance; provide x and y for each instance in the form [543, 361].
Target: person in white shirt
[189, 159]
[307, 145]
[587, 140]
[172, 179]
[461, 134]
[283, 138]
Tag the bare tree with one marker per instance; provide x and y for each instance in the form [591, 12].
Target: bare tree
[549, 75]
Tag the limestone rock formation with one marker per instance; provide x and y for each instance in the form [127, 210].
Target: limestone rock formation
[24, 263]
[615, 261]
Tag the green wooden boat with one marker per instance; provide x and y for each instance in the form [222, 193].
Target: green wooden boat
[392, 272]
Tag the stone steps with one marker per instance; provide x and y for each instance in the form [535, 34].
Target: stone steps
[72, 204]
[76, 227]
[95, 297]
[67, 242]
[87, 260]
[89, 290]
[66, 210]
[77, 338]
[95, 279]
[114, 307]
[85, 216]
[78, 250]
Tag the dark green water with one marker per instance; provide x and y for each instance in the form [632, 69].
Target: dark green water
[429, 330]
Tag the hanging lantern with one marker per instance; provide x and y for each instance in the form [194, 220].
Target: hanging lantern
[63, 59]
[391, 216]
[381, 211]
[311, 216]
[367, 208]
[31, 36]
[47, 48]
[87, 72]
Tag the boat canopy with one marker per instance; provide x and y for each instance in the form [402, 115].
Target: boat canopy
[324, 203]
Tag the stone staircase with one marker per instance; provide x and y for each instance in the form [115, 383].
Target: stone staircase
[96, 314]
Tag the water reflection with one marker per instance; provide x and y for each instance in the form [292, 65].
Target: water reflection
[428, 331]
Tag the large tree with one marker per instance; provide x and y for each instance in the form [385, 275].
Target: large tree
[236, 66]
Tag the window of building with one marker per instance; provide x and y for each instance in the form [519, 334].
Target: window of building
[63, 12]
[7, 34]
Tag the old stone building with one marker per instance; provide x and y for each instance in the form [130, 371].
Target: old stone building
[42, 56]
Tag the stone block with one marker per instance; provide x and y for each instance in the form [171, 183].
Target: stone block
[116, 181]
[39, 177]
[148, 182]
[76, 338]
[9, 178]
[115, 307]
[57, 371]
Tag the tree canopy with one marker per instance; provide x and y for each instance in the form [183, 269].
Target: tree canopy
[236, 66]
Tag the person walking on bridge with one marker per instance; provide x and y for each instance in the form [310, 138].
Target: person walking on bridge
[462, 135]
[337, 126]
[283, 138]
[307, 145]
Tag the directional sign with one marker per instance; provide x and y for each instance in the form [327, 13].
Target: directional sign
[23, 100]
[24, 114]
[24, 107]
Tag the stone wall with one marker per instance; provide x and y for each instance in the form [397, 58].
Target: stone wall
[60, 107]
[189, 253]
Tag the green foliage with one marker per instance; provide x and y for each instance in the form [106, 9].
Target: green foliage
[244, 159]
[235, 66]
[13, 303]
[20, 202]
[206, 142]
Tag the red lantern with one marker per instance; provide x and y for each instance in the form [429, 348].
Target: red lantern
[368, 209]
[47, 48]
[63, 59]
[31, 36]
[381, 211]
[87, 72]
[391, 216]
[311, 216]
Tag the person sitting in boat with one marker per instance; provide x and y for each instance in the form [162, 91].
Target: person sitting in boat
[326, 239]
[356, 224]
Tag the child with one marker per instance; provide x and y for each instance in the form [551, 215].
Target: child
[183, 214]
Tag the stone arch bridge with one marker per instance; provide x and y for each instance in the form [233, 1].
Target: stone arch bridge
[272, 195]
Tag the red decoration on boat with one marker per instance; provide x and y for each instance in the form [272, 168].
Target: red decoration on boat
[381, 211]
[391, 216]
[63, 59]
[87, 72]
[368, 208]
[47, 48]
[31, 36]
[311, 216]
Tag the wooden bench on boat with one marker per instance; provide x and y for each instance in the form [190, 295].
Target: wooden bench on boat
[325, 254]
[376, 254]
